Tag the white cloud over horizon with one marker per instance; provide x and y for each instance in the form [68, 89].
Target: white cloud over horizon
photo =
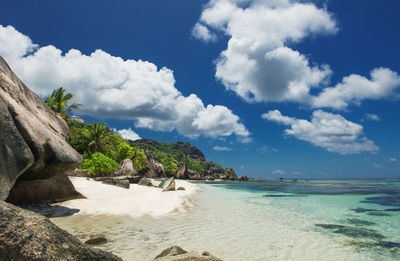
[326, 130]
[260, 66]
[128, 134]
[279, 172]
[222, 148]
[111, 87]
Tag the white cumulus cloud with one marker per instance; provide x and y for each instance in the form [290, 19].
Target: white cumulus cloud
[129, 134]
[326, 130]
[202, 32]
[372, 117]
[222, 148]
[278, 172]
[110, 86]
[260, 65]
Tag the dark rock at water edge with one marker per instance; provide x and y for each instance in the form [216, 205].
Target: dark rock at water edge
[32, 136]
[194, 175]
[25, 235]
[176, 253]
[96, 240]
[55, 189]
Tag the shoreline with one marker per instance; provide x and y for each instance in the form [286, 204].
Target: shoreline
[136, 201]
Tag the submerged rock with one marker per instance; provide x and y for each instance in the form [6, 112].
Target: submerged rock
[96, 240]
[176, 253]
[359, 222]
[32, 136]
[25, 235]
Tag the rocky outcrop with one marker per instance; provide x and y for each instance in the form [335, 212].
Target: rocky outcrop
[190, 150]
[182, 171]
[96, 240]
[32, 137]
[25, 235]
[79, 173]
[230, 173]
[168, 184]
[243, 178]
[194, 175]
[55, 189]
[153, 169]
[122, 183]
[176, 253]
[145, 182]
[148, 142]
[126, 168]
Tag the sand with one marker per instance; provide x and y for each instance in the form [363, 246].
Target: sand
[135, 201]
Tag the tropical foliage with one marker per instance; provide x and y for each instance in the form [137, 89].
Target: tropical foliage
[58, 102]
[98, 164]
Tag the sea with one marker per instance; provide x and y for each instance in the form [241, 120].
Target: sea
[264, 220]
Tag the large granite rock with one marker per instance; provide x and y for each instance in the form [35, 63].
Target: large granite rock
[122, 183]
[126, 168]
[25, 235]
[168, 184]
[213, 170]
[182, 171]
[230, 173]
[145, 182]
[54, 189]
[176, 253]
[190, 150]
[153, 169]
[194, 175]
[32, 136]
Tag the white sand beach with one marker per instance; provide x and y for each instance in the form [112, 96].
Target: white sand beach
[135, 201]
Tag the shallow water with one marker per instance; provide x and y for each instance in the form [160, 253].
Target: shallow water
[270, 220]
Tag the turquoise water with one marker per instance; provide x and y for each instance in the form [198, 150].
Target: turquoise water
[265, 220]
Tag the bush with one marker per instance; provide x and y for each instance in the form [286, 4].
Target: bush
[98, 164]
[170, 166]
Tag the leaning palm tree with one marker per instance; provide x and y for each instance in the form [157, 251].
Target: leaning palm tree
[58, 102]
[96, 137]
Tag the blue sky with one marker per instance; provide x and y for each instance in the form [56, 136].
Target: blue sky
[303, 89]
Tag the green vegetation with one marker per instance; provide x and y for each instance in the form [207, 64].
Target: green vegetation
[169, 155]
[58, 102]
[98, 164]
[103, 150]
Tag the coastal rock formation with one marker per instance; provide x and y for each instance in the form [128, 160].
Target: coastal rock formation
[32, 136]
[168, 184]
[176, 253]
[55, 189]
[213, 170]
[79, 173]
[230, 173]
[243, 178]
[182, 171]
[153, 169]
[122, 183]
[145, 182]
[190, 150]
[96, 240]
[126, 168]
[25, 235]
[194, 175]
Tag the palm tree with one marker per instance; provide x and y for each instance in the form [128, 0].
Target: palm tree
[58, 101]
[96, 136]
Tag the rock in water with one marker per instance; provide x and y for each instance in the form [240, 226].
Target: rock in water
[32, 136]
[126, 168]
[96, 240]
[25, 235]
[145, 182]
[230, 173]
[176, 253]
[168, 184]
